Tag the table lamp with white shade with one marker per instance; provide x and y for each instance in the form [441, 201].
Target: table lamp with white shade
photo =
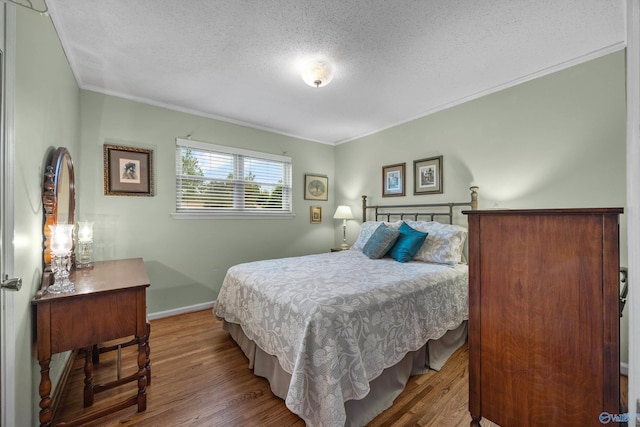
[85, 244]
[61, 245]
[344, 213]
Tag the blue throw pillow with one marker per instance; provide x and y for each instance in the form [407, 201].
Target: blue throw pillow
[380, 242]
[407, 244]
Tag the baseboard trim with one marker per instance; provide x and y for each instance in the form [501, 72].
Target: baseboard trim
[180, 310]
[624, 368]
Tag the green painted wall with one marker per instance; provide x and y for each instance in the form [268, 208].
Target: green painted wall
[47, 116]
[556, 141]
[193, 253]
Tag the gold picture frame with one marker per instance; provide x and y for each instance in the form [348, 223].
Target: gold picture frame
[128, 171]
[316, 214]
[316, 187]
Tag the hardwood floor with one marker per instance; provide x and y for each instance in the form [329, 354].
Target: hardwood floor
[199, 377]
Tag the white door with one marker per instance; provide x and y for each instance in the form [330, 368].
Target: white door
[9, 284]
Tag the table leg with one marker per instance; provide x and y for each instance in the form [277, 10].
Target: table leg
[88, 377]
[143, 343]
[148, 350]
[45, 393]
[95, 350]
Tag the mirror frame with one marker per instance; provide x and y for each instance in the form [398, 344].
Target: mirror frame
[59, 163]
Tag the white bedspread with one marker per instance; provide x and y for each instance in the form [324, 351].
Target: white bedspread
[336, 320]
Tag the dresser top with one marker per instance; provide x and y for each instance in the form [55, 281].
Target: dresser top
[555, 211]
[105, 276]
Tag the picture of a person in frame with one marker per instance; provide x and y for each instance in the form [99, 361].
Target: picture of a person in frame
[129, 171]
[428, 176]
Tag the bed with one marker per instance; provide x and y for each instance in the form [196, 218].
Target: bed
[338, 334]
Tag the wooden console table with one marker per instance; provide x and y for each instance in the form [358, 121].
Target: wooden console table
[109, 303]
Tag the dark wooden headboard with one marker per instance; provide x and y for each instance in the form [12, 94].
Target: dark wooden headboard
[427, 210]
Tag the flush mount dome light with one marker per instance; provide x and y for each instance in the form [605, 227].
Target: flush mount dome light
[317, 73]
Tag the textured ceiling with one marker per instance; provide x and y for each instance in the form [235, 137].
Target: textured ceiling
[395, 60]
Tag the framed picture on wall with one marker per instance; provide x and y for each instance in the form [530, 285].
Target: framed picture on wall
[427, 176]
[316, 187]
[393, 180]
[316, 214]
[128, 171]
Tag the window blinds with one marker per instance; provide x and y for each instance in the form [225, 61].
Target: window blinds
[218, 179]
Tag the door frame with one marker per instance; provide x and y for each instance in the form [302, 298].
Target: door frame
[7, 211]
[633, 201]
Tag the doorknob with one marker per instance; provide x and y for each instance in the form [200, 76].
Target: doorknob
[12, 284]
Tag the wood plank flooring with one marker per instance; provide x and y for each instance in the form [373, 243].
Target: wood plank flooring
[200, 378]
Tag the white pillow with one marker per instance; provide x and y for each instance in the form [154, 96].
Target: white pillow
[444, 243]
[368, 228]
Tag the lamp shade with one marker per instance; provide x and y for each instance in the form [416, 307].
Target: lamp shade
[343, 212]
[317, 73]
[85, 231]
[61, 238]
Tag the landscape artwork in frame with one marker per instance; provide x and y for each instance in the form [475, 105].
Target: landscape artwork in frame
[128, 171]
[316, 187]
[316, 214]
[427, 176]
[393, 180]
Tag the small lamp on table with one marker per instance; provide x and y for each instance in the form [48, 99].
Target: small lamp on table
[85, 244]
[61, 243]
[344, 213]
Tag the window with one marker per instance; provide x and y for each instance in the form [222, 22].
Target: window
[218, 180]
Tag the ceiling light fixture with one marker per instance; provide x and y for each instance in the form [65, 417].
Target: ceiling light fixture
[317, 73]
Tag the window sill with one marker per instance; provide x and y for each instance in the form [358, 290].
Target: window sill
[235, 215]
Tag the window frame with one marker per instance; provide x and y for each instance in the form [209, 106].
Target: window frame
[238, 154]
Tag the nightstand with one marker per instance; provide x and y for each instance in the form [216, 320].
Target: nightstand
[338, 249]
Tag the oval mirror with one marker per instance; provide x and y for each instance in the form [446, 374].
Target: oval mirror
[58, 199]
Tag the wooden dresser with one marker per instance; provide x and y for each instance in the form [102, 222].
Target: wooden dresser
[109, 303]
[544, 316]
